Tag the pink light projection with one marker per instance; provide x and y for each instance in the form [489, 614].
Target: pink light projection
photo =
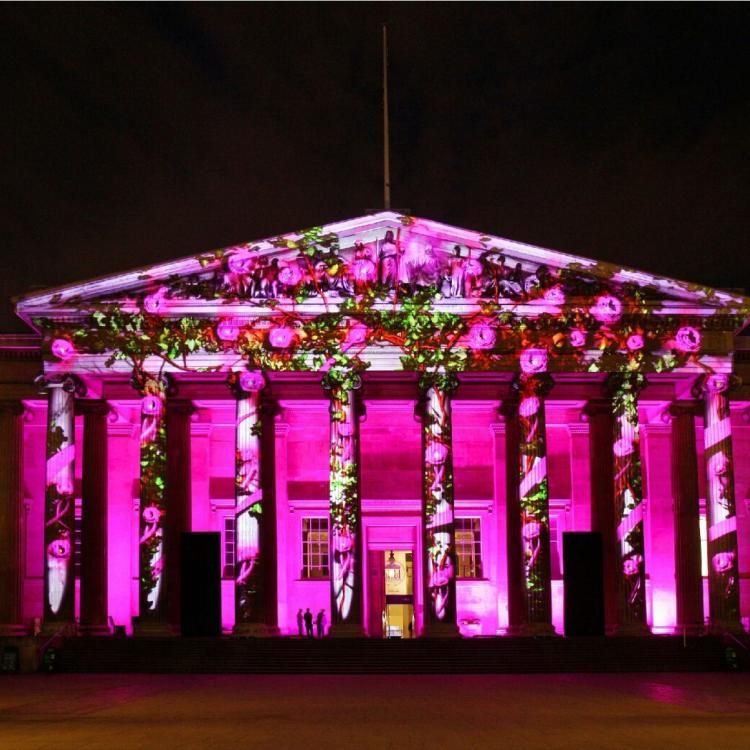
[281, 337]
[60, 502]
[62, 349]
[228, 330]
[723, 571]
[438, 499]
[154, 303]
[607, 309]
[688, 339]
[533, 361]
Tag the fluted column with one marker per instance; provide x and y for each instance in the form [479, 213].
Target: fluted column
[598, 414]
[179, 503]
[345, 509]
[439, 539]
[689, 583]
[11, 503]
[255, 512]
[94, 518]
[721, 518]
[534, 503]
[628, 498]
[153, 506]
[59, 505]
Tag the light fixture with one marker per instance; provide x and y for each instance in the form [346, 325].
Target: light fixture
[392, 569]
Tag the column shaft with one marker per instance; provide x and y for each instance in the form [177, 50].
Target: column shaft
[689, 584]
[11, 504]
[534, 504]
[723, 558]
[94, 518]
[628, 497]
[59, 507]
[437, 510]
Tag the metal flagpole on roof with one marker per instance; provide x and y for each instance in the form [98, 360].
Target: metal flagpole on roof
[386, 143]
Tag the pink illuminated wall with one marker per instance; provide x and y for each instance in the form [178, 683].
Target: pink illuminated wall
[391, 486]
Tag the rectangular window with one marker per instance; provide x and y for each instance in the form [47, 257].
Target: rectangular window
[229, 531]
[315, 548]
[469, 547]
[555, 548]
[704, 544]
[77, 532]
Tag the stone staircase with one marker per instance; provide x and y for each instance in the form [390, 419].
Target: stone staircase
[367, 656]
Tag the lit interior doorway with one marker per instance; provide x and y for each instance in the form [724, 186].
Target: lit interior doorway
[393, 594]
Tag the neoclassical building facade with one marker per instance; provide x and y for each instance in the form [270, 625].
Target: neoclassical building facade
[387, 419]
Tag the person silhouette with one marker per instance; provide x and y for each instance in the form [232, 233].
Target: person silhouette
[300, 622]
[309, 623]
[320, 623]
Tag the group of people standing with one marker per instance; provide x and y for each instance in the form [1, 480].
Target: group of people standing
[305, 623]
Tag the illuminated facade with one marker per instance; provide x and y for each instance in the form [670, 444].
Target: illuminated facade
[387, 418]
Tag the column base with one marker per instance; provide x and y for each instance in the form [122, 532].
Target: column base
[255, 630]
[94, 630]
[14, 631]
[533, 630]
[346, 630]
[64, 629]
[692, 629]
[147, 629]
[441, 630]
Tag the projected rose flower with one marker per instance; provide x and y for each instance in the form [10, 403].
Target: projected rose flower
[281, 337]
[607, 309]
[577, 337]
[632, 565]
[151, 514]
[554, 296]
[722, 561]
[290, 275]
[635, 342]
[239, 264]
[251, 380]
[59, 548]
[228, 330]
[687, 340]
[436, 453]
[357, 334]
[151, 405]
[62, 349]
[481, 336]
[533, 361]
[154, 303]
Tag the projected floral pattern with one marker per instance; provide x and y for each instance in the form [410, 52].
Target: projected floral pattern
[153, 442]
[344, 498]
[439, 527]
[249, 496]
[628, 494]
[534, 497]
[60, 500]
[723, 570]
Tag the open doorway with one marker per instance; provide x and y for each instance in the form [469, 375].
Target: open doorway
[391, 594]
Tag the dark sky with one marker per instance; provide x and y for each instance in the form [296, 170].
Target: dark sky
[136, 133]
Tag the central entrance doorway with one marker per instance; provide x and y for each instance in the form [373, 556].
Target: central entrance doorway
[391, 593]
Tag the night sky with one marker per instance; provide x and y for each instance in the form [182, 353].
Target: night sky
[132, 134]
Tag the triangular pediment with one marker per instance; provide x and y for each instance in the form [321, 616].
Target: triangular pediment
[382, 250]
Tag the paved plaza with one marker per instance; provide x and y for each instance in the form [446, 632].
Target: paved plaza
[120, 712]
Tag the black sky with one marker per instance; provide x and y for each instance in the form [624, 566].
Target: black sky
[136, 133]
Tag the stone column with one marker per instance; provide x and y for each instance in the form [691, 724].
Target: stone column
[687, 545]
[255, 512]
[439, 539]
[152, 617]
[345, 508]
[598, 414]
[178, 499]
[721, 518]
[628, 498]
[11, 505]
[59, 505]
[514, 561]
[94, 497]
[533, 494]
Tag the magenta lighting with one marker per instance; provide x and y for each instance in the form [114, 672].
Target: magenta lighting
[281, 337]
[481, 336]
[688, 339]
[267, 392]
[228, 330]
[533, 361]
[62, 349]
[251, 381]
[154, 303]
[151, 405]
[607, 309]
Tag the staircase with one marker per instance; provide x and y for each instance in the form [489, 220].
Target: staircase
[369, 656]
